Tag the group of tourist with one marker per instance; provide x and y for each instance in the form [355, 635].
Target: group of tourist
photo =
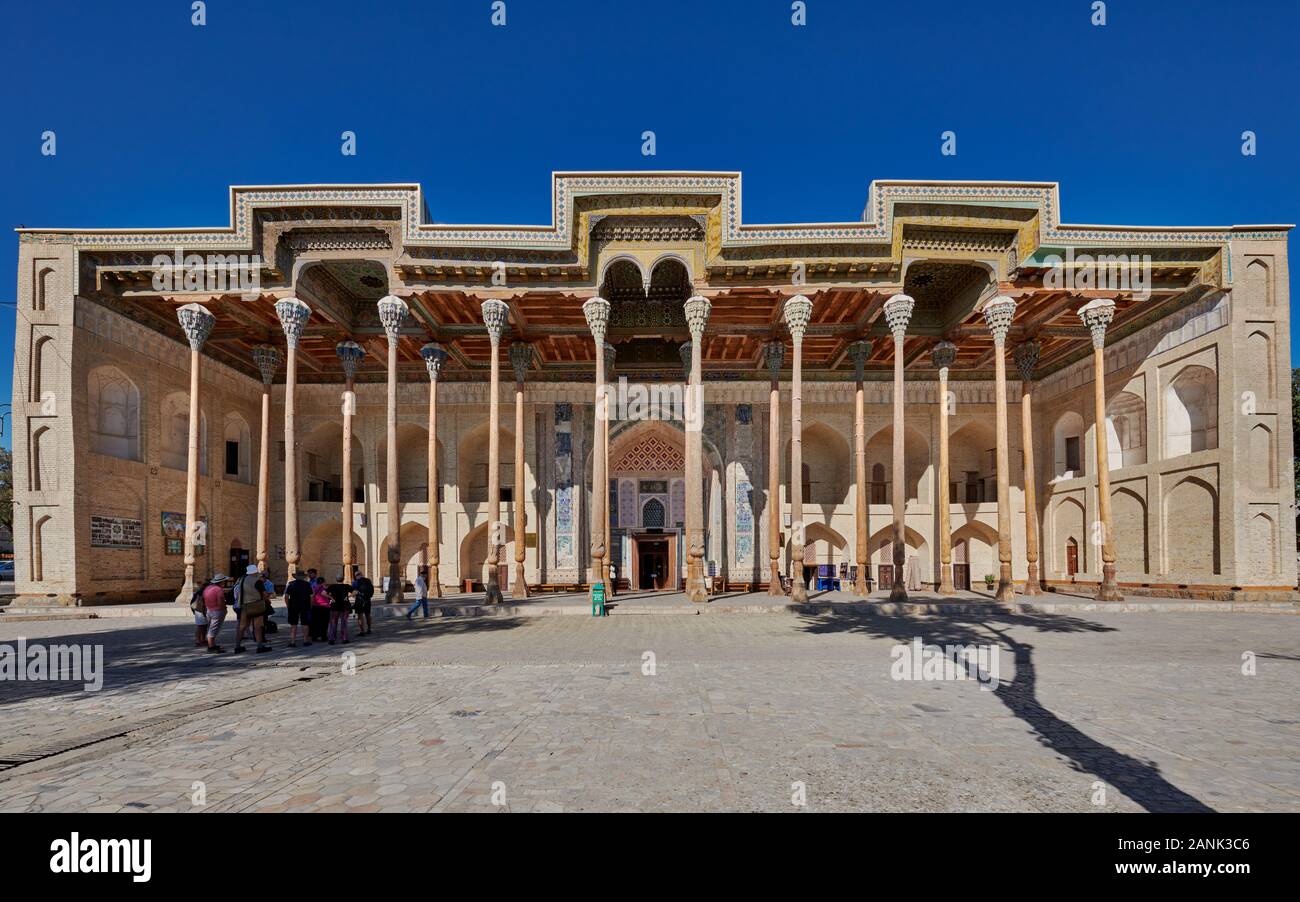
[321, 610]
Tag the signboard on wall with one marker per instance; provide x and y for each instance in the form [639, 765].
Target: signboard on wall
[173, 531]
[116, 532]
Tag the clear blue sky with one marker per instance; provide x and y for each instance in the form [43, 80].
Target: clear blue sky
[1140, 120]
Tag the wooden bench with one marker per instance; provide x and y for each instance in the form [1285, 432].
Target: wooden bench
[558, 587]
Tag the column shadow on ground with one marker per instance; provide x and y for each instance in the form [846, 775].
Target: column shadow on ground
[1139, 780]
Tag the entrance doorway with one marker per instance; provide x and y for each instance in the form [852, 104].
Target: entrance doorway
[654, 562]
[1071, 557]
[238, 561]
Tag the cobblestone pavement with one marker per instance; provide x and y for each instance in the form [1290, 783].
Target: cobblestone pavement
[1109, 711]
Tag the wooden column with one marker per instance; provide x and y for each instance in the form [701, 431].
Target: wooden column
[293, 315]
[998, 314]
[797, 311]
[521, 358]
[945, 352]
[898, 312]
[697, 316]
[610, 358]
[774, 352]
[859, 352]
[197, 324]
[267, 359]
[596, 310]
[1096, 315]
[434, 357]
[350, 354]
[392, 313]
[495, 313]
[1026, 357]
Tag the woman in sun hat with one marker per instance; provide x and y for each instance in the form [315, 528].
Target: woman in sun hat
[214, 605]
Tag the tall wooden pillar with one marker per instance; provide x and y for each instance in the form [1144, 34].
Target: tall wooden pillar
[898, 313]
[998, 314]
[774, 352]
[392, 313]
[797, 311]
[350, 354]
[610, 358]
[521, 358]
[596, 310]
[859, 352]
[943, 356]
[697, 317]
[197, 324]
[267, 359]
[1026, 358]
[1096, 315]
[293, 315]
[434, 357]
[494, 318]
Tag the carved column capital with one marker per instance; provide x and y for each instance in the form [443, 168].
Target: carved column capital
[392, 313]
[859, 353]
[267, 358]
[197, 322]
[697, 310]
[350, 354]
[293, 315]
[998, 314]
[495, 311]
[797, 311]
[1026, 358]
[898, 313]
[1097, 315]
[521, 359]
[596, 310]
[434, 357]
[943, 355]
[774, 354]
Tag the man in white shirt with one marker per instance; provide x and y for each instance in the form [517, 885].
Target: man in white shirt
[421, 594]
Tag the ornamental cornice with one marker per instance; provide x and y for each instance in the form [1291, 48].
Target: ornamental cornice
[718, 194]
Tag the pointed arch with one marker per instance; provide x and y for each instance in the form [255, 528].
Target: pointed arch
[1128, 514]
[237, 449]
[174, 420]
[1067, 444]
[1258, 283]
[473, 553]
[1068, 530]
[322, 549]
[1126, 431]
[1192, 411]
[113, 401]
[1191, 528]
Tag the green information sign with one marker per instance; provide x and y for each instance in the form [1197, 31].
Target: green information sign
[598, 600]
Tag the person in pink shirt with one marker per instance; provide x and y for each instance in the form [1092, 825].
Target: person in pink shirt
[214, 603]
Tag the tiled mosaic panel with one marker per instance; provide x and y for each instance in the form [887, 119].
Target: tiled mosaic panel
[564, 493]
[116, 532]
[744, 522]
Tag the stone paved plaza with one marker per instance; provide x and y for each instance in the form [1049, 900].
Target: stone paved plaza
[557, 714]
